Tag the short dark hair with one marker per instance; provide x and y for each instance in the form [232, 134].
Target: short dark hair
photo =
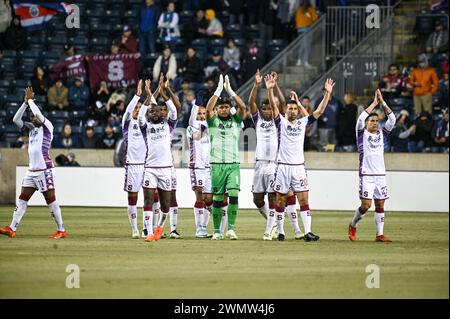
[265, 102]
[306, 97]
[394, 65]
[371, 115]
[223, 100]
[292, 102]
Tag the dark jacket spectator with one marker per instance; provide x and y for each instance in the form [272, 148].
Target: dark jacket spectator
[127, 42]
[89, 140]
[40, 82]
[438, 40]
[109, 138]
[78, 95]
[57, 96]
[71, 160]
[16, 35]
[422, 139]
[392, 84]
[147, 27]
[197, 28]
[329, 119]
[115, 113]
[346, 121]
[252, 61]
[191, 69]
[402, 132]
[66, 139]
[440, 134]
[102, 94]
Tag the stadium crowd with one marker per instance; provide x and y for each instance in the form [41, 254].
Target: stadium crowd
[192, 42]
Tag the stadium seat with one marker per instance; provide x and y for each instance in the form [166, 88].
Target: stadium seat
[233, 31]
[424, 24]
[37, 47]
[78, 40]
[77, 129]
[30, 54]
[253, 31]
[59, 114]
[56, 47]
[50, 55]
[10, 138]
[96, 11]
[99, 130]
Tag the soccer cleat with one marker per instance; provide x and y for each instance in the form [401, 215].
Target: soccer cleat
[231, 235]
[150, 238]
[217, 236]
[311, 237]
[59, 234]
[281, 237]
[383, 239]
[174, 235]
[267, 237]
[158, 232]
[8, 232]
[274, 232]
[299, 236]
[135, 235]
[144, 232]
[351, 232]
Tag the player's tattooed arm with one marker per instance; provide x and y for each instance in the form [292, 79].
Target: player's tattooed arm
[390, 123]
[254, 93]
[29, 96]
[303, 111]
[328, 89]
[241, 109]
[279, 94]
[213, 100]
[270, 85]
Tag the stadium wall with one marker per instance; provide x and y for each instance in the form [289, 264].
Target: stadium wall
[330, 189]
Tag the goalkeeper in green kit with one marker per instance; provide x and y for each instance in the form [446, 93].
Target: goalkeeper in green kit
[224, 130]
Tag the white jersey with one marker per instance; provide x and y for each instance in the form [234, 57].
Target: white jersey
[135, 145]
[266, 138]
[371, 146]
[40, 139]
[291, 140]
[159, 141]
[199, 145]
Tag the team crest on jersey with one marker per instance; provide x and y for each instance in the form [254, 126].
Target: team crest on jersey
[294, 129]
[135, 127]
[375, 140]
[266, 125]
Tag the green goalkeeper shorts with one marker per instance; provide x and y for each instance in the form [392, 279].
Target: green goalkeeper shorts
[225, 177]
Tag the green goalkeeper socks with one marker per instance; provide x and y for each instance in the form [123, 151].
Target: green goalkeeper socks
[232, 213]
[217, 218]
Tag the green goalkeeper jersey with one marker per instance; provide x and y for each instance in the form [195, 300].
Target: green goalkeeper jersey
[224, 138]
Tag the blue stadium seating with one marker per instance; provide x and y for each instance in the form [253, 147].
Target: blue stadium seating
[233, 31]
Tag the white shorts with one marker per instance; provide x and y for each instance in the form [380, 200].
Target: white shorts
[264, 177]
[173, 179]
[134, 177]
[158, 178]
[201, 177]
[41, 180]
[373, 187]
[291, 177]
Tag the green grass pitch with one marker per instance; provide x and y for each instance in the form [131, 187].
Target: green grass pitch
[112, 265]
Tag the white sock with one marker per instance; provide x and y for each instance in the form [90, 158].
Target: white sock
[156, 217]
[206, 216]
[55, 210]
[148, 217]
[173, 214]
[306, 219]
[156, 207]
[132, 217]
[358, 216]
[198, 217]
[379, 223]
[270, 222]
[143, 219]
[20, 210]
[280, 222]
[264, 210]
[293, 218]
[223, 224]
[162, 219]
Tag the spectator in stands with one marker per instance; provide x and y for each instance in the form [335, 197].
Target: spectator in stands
[186, 107]
[165, 64]
[16, 35]
[392, 84]
[69, 51]
[215, 65]
[443, 89]
[185, 88]
[440, 135]
[78, 95]
[196, 29]
[402, 132]
[57, 97]
[305, 16]
[210, 88]
[168, 25]
[109, 138]
[89, 140]
[251, 61]
[437, 6]
[127, 42]
[117, 95]
[232, 55]
[424, 82]
[71, 160]
[22, 141]
[215, 28]
[422, 141]
[96, 114]
[5, 15]
[267, 17]
[115, 113]
[114, 49]
[328, 122]
[252, 9]
[382, 119]
[347, 119]
[191, 69]
[102, 94]
[236, 10]
[147, 27]
[40, 81]
[66, 139]
[438, 40]
[310, 129]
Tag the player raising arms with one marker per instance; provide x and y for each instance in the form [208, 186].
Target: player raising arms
[224, 131]
[291, 172]
[372, 172]
[136, 150]
[158, 163]
[200, 171]
[40, 175]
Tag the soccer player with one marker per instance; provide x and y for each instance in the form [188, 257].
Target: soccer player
[224, 131]
[40, 175]
[291, 172]
[199, 167]
[158, 163]
[372, 172]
